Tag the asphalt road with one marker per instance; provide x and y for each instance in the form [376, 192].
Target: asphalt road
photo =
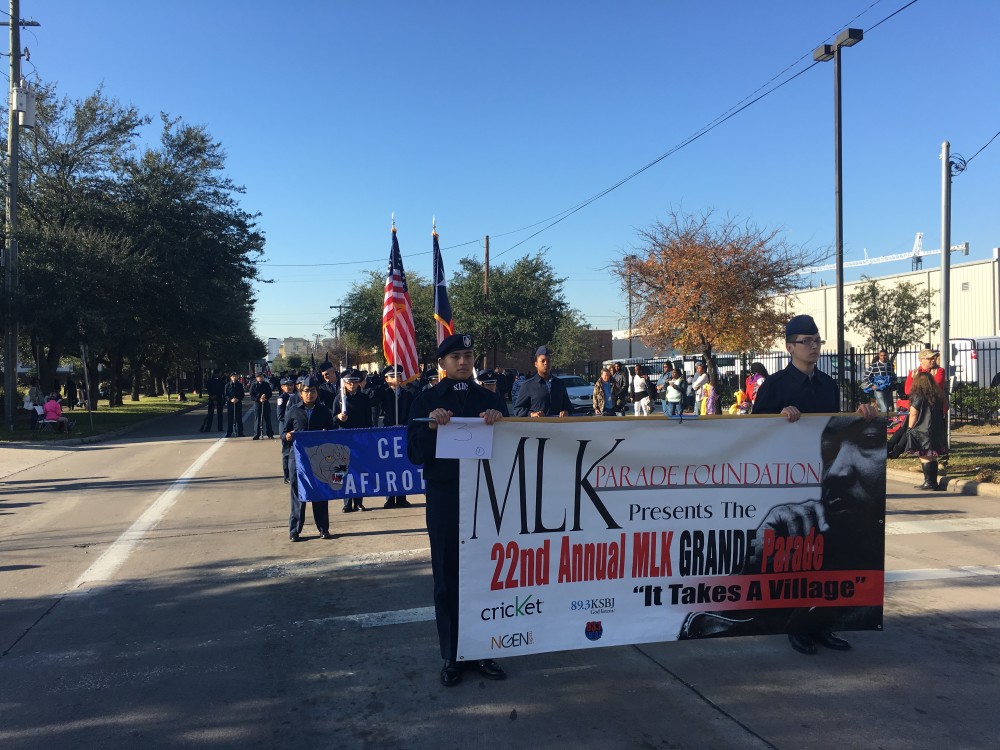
[149, 597]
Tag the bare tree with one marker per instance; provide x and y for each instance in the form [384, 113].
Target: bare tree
[701, 287]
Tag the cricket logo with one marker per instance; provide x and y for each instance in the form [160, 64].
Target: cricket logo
[329, 463]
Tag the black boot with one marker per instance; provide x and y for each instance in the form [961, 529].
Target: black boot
[929, 482]
[931, 474]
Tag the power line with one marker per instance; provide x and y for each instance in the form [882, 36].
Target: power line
[557, 218]
[984, 146]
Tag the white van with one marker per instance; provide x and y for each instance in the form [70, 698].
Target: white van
[977, 360]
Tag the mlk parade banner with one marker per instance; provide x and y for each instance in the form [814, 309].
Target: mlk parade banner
[602, 532]
[334, 464]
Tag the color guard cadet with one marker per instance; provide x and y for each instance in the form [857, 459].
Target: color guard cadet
[355, 414]
[542, 395]
[260, 394]
[458, 395]
[233, 394]
[305, 415]
[392, 399]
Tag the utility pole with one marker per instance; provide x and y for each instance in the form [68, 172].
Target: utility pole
[10, 254]
[486, 295]
[949, 365]
[336, 332]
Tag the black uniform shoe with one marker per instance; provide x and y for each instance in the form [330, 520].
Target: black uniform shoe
[831, 640]
[293, 536]
[451, 673]
[390, 503]
[325, 535]
[403, 503]
[287, 480]
[349, 509]
[256, 437]
[804, 644]
[490, 670]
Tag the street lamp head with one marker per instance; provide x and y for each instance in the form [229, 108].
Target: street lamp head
[849, 37]
[823, 53]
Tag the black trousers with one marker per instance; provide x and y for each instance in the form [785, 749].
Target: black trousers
[263, 419]
[442, 528]
[214, 406]
[235, 412]
[297, 512]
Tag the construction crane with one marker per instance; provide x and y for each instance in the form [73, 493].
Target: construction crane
[915, 256]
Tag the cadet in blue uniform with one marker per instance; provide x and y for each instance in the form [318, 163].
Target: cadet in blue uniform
[392, 398]
[306, 414]
[800, 389]
[213, 388]
[233, 394]
[542, 395]
[455, 396]
[284, 396]
[355, 414]
[260, 394]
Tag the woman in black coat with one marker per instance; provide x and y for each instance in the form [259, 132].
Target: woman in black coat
[927, 436]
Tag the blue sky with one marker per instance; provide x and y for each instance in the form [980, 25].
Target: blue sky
[493, 117]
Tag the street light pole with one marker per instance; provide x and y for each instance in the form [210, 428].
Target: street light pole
[846, 38]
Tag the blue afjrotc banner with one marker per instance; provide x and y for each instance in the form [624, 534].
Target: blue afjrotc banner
[335, 464]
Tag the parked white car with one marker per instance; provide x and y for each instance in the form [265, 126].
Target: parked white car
[581, 393]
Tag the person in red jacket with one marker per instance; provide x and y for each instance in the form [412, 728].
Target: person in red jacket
[928, 363]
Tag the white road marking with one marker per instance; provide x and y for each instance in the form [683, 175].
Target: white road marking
[939, 574]
[942, 526]
[105, 567]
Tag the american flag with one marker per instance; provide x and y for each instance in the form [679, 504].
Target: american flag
[399, 341]
[442, 308]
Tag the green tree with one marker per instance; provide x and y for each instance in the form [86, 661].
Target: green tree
[891, 317]
[571, 341]
[360, 323]
[524, 308]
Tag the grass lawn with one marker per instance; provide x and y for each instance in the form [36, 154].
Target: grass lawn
[106, 419]
[975, 461]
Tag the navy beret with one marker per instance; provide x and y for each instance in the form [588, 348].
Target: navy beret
[801, 325]
[542, 351]
[453, 343]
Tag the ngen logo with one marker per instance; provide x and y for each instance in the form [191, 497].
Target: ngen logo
[512, 640]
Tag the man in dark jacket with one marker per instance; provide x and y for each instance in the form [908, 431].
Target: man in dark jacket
[543, 395]
[233, 395]
[304, 415]
[802, 388]
[457, 395]
[260, 394]
[214, 390]
[393, 401]
[355, 414]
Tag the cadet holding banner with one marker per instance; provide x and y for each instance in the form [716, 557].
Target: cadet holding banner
[457, 395]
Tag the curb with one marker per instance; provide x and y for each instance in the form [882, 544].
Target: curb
[954, 486]
[105, 436]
